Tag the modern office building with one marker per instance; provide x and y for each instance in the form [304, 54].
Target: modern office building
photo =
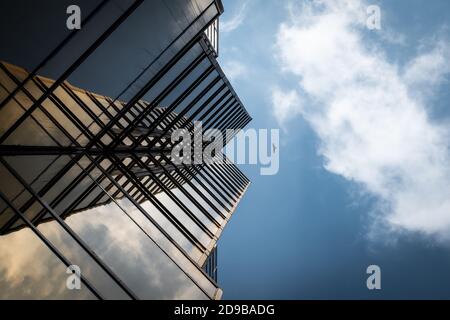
[87, 177]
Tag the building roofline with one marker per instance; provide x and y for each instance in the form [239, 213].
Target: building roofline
[220, 6]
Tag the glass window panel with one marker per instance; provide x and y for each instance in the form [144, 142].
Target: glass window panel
[103, 283]
[131, 254]
[29, 270]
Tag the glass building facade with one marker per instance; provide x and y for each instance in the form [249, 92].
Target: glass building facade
[86, 173]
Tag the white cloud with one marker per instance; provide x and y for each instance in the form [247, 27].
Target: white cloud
[373, 128]
[392, 37]
[285, 104]
[235, 69]
[428, 70]
[235, 21]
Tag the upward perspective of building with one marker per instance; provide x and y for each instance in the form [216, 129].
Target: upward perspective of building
[87, 180]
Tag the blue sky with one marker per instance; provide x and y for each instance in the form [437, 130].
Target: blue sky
[364, 160]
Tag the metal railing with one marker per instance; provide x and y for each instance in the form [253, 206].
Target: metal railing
[212, 33]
